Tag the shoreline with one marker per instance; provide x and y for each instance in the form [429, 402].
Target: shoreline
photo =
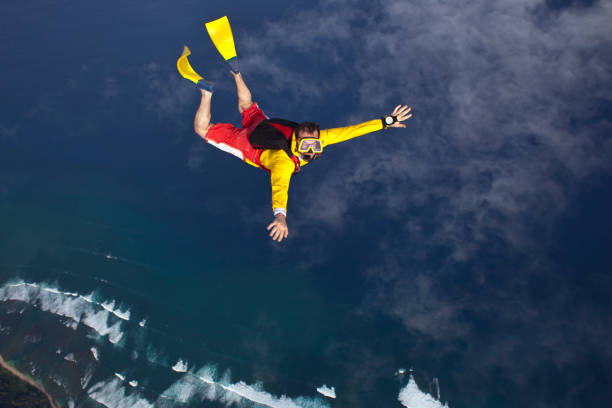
[28, 380]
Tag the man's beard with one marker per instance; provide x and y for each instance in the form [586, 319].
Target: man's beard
[310, 158]
[306, 158]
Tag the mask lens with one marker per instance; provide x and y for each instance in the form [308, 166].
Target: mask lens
[310, 145]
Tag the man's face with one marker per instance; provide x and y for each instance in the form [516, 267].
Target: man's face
[303, 134]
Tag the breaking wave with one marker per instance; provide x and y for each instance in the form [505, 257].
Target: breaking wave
[200, 385]
[116, 384]
[180, 366]
[118, 388]
[329, 392]
[412, 397]
[77, 308]
[111, 394]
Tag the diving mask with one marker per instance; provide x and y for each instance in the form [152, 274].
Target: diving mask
[310, 144]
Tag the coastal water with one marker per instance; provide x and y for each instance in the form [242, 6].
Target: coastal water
[127, 312]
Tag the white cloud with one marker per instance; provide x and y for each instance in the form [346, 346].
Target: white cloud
[506, 128]
[504, 97]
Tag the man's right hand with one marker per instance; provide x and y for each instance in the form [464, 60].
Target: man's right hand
[402, 113]
[279, 228]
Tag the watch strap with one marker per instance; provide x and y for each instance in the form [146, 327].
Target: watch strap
[384, 122]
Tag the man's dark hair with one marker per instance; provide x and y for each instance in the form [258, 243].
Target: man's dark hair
[309, 127]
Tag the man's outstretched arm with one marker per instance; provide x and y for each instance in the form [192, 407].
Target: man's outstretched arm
[337, 135]
[281, 169]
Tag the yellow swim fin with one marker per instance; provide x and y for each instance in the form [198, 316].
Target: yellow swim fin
[221, 35]
[184, 67]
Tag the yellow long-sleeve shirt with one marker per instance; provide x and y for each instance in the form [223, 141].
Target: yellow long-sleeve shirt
[282, 167]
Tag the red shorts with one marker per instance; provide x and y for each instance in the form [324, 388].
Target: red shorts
[233, 140]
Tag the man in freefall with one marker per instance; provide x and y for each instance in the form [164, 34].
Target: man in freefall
[279, 146]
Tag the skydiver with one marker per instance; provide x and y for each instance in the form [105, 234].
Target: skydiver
[278, 146]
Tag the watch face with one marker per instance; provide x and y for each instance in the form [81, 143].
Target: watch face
[388, 120]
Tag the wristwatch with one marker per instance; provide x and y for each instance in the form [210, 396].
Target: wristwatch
[388, 120]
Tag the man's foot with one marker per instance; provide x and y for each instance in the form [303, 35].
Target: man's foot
[205, 85]
[233, 64]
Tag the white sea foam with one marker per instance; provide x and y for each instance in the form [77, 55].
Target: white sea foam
[70, 357]
[182, 390]
[180, 366]
[77, 308]
[110, 307]
[258, 396]
[412, 397]
[87, 298]
[71, 324]
[231, 393]
[329, 392]
[99, 322]
[112, 395]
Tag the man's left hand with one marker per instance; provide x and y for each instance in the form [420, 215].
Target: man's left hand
[279, 228]
[402, 113]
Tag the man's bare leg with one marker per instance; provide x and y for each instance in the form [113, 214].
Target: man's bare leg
[201, 123]
[244, 95]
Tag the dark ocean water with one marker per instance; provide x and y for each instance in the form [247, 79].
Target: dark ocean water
[136, 270]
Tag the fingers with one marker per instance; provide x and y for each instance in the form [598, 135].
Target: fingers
[274, 231]
[402, 112]
[399, 109]
[278, 233]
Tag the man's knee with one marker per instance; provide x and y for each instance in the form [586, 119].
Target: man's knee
[202, 131]
[242, 106]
